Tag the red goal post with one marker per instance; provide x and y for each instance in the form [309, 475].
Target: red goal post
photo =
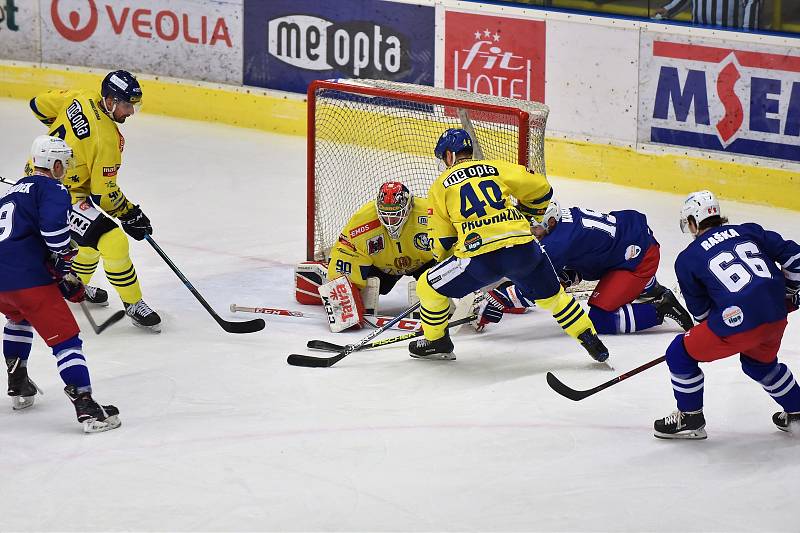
[362, 133]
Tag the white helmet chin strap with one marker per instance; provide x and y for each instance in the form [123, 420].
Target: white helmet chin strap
[105, 108]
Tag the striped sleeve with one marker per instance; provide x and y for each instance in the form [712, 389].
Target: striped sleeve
[44, 119]
[675, 7]
[784, 252]
[54, 206]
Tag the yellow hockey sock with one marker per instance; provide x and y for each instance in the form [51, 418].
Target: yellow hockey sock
[117, 263]
[85, 263]
[568, 313]
[434, 309]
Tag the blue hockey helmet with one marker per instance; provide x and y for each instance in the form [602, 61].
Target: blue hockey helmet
[122, 86]
[453, 140]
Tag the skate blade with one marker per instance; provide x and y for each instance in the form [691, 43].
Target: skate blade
[437, 357]
[154, 329]
[97, 304]
[18, 403]
[97, 426]
[696, 434]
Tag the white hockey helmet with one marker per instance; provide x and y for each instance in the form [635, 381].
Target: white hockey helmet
[553, 211]
[393, 204]
[699, 205]
[46, 150]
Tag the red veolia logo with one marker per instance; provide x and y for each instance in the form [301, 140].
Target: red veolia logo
[74, 33]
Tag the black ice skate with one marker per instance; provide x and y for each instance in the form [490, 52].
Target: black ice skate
[668, 306]
[143, 317]
[592, 343]
[96, 296]
[21, 388]
[438, 350]
[680, 425]
[94, 417]
[653, 293]
[789, 422]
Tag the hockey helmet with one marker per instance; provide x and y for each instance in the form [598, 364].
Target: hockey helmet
[453, 140]
[122, 86]
[46, 150]
[394, 204]
[553, 211]
[699, 205]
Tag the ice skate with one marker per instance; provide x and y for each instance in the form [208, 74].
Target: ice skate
[653, 293]
[668, 306]
[142, 316]
[21, 388]
[680, 425]
[96, 296]
[789, 422]
[592, 343]
[438, 350]
[94, 417]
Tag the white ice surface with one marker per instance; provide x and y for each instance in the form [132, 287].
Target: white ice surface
[219, 433]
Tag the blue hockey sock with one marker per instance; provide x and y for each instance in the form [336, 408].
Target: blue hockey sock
[72, 364]
[17, 340]
[776, 379]
[687, 378]
[626, 319]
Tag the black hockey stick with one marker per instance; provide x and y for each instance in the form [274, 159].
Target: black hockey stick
[578, 395]
[297, 359]
[330, 347]
[248, 326]
[98, 329]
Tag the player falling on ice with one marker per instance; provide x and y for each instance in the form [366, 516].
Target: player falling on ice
[88, 122]
[480, 237]
[616, 248]
[738, 281]
[33, 226]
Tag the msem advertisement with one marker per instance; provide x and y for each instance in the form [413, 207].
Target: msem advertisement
[289, 43]
[709, 95]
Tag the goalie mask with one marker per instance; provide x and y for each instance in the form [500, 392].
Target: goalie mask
[394, 205]
[699, 205]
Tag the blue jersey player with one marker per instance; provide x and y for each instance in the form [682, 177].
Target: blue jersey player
[738, 281]
[617, 249]
[35, 277]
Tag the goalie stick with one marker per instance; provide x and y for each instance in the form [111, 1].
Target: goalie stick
[407, 324]
[98, 329]
[297, 359]
[331, 347]
[249, 326]
[578, 395]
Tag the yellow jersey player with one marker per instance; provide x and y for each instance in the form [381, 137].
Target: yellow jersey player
[479, 237]
[386, 239]
[87, 121]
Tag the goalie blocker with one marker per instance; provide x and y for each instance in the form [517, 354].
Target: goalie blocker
[342, 302]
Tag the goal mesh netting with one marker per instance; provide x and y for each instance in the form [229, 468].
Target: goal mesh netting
[362, 133]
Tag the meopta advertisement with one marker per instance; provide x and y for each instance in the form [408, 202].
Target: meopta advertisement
[741, 98]
[191, 39]
[19, 30]
[289, 43]
[496, 55]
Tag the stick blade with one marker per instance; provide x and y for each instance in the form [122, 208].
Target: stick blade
[297, 359]
[563, 390]
[113, 319]
[324, 346]
[248, 326]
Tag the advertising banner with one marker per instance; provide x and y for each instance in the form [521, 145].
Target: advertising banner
[496, 55]
[289, 43]
[191, 39]
[19, 30]
[710, 95]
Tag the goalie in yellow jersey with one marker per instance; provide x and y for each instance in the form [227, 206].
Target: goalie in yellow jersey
[87, 121]
[480, 237]
[385, 239]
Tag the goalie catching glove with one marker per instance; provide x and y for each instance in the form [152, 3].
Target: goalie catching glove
[342, 301]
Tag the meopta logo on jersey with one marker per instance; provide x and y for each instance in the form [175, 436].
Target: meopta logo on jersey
[743, 99]
[500, 56]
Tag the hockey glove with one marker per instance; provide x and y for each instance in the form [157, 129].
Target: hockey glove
[568, 278]
[488, 311]
[72, 288]
[60, 264]
[136, 224]
[792, 299]
[510, 299]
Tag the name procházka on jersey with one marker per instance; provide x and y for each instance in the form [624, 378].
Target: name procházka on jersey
[472, 171]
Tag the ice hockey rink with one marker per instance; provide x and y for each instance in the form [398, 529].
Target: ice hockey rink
[219, 433]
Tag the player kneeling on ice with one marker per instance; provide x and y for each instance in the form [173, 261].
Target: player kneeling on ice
[487, 238]
[619, 250]
[33, 226]
[383, 241]
[733, 287]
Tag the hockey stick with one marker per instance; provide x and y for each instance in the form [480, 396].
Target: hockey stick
[297, 359]
[330, 347]
[249, 326]
[578, 395]
[98, 329]
[407, 324]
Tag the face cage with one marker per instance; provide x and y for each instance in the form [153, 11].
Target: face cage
[394, 221]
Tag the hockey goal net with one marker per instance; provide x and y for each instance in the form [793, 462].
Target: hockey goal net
[362, 133]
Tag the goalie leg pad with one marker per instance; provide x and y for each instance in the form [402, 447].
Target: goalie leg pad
[342, 301]
[308, 276]
[370, 294]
